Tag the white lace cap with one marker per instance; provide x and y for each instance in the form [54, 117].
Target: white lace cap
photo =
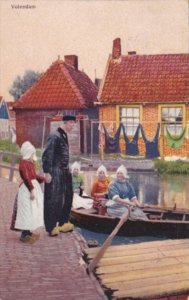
[123, 170]
[102, 168]
[27, 149]
[75, 165]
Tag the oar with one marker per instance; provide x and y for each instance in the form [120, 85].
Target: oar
[107, 242]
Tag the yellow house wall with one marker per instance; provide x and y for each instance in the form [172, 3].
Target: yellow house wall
[150, 117]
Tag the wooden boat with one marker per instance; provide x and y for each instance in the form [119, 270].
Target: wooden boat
[173, 223]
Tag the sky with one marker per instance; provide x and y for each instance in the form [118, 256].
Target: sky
[33, 38]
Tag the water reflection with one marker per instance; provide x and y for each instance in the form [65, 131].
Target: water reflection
[165, 190]
[117, 240]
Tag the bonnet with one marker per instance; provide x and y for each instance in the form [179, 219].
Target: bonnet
[27, 149]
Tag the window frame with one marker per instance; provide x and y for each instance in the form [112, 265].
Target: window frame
[163, 124]
[119, 107]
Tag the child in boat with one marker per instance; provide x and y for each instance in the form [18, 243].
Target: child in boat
[80, 199]
[122, 196]
[100, 189]
[29, 214]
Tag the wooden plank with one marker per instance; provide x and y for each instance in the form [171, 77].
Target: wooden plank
[145, 270]
[155, 291]
[140, 283]
[145, 245]
[148, 257]
[162, 262]
[147, 273]
[136, 251]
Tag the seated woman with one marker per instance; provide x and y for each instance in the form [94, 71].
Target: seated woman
[80, 199]
[122, 196]
[100, 189]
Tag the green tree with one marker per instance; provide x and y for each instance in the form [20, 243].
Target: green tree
[22, 84]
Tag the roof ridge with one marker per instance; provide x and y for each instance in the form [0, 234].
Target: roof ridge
[72, 83]
[159, 54]
[104, 77]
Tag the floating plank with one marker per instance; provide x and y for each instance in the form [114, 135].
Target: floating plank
[136, 250]
[148, 257]
[140, 283]
[155, 291]
[147, 273]
[145, 245]
[141, 265]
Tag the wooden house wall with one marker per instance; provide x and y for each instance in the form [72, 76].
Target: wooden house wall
[90, 123]
[30, 126]
[4, 129]
[149, 120]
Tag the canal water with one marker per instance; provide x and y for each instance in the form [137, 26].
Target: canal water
[162, 191]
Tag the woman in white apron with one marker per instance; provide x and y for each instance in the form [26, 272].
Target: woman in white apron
[30, 197]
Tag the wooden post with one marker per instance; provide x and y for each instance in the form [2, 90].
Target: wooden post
[85, 136]
[91, 139]
[43, 135]
[101, 147]
[162, 142]
[12, 168]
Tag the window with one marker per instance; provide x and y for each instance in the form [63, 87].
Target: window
[130, 118]
[172, 118]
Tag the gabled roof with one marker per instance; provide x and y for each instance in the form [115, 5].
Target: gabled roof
[60, 87]
[146, 79]
[10, 109]
[4, 114]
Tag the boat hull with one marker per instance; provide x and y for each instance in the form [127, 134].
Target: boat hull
[155, 227]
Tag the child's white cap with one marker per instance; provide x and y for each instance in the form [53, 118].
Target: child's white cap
[75, 165]
[27, 149]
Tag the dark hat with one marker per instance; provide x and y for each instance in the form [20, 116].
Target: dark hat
[69, 118]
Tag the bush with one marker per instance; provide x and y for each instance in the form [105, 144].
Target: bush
[172, 167]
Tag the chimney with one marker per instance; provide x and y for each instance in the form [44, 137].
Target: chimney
[97, 82]
[116, 50]
[71, 60]
[132, 53]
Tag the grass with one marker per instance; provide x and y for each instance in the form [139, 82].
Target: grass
[172, 167]
[8, 146]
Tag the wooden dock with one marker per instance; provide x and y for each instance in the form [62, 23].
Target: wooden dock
[148, 270]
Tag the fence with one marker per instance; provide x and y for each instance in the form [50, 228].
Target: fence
[9, 164]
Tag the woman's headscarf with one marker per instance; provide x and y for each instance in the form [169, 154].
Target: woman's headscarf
[102, 168]
[123, 170]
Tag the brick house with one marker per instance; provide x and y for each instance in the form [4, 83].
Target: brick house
[62, 89]
[150, 90]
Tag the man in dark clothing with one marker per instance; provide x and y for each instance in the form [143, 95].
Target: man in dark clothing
[58, 192]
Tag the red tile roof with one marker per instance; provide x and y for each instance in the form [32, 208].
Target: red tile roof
[60, 87]
[146, 78]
